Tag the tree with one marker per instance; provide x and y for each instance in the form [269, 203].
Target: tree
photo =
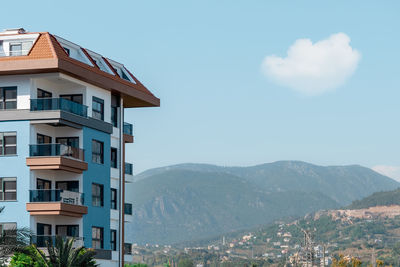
[12, 241]
[62, 255]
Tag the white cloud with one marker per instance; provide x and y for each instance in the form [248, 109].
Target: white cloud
[391, 171]
[314, 68]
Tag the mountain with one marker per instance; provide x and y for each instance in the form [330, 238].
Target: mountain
[343, 184]
[387, 198]
[192, 201]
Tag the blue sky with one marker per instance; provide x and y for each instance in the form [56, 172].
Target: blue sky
[204, 60]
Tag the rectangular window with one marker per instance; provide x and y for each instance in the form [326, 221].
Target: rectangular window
[114, 199]
[113, 240]
[8, 97]
[97, 151]
[114, 157]
[16, 49]
[128, 248]
[97, 238]
[43, 139]
[5, 227]
[114, 110]
[77, 98]
[68, 141]
[8, 189]
[43, 94]
[98, 108]
[67, 230]
[97, 195]
[8, 143]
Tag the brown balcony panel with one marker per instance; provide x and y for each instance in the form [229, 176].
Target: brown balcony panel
[128, 138]
[56, 163]
[56, 208]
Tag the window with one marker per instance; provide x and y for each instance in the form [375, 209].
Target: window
[16, 49]
[97, 237]
[114, 157]
[128, 248]
[97, 195]
[67, 230]
[113, 240]
[68, 185]
[124, 76]
[7, 227]
[77, 98]
[128, 209]
[43, 94]
[43, 139]
[97, 151]
[67, 51]
[8, 97]
[8, 189]
[98, 108]
[68, 141]
[8, 143]
[114, 199]
[114, 110]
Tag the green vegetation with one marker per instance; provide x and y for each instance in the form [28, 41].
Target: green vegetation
[12, 241]
[377, 199]
[193, 201]
[61, 255]
[135, 265]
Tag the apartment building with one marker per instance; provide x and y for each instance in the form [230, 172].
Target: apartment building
[63, 138]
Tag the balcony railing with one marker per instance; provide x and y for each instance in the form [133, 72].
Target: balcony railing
[128, 208]
[42, 104]
[128, 168]
[53, 150]
[128, 128]
[57, 195]
[41, 240]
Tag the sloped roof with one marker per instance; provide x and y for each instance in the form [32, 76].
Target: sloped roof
[47, 55]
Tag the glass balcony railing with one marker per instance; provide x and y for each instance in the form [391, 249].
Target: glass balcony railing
[128, 168]
[128, 208]
[128, 128]
[42, 104]
[51, 150]
[41, 241]
[56, 195]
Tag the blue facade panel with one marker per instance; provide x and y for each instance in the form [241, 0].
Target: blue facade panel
[15, 166]
[100, 174]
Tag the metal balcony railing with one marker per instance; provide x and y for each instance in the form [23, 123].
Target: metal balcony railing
[41, 241]
[128, 128]
[43, 104]
[52, 150]
[56, 195]
[128, 168]
[128, 208]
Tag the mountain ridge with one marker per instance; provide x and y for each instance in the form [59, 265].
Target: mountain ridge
[190, 201]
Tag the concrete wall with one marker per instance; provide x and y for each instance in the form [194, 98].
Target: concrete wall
[15, 166]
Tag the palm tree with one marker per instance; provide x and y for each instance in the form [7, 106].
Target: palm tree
[12, 241]
[62, 255]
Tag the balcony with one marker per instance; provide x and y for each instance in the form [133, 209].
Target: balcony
[128, 132]
[56, 202]
[128, 172]
[47, 104]
[56, 157]
[41, 240]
